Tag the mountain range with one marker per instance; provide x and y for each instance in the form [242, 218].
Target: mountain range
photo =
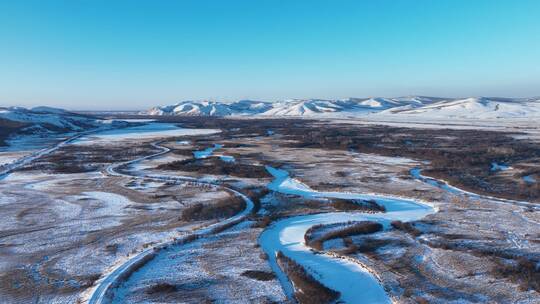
[435, 107]
[46, 119]
[43, 122]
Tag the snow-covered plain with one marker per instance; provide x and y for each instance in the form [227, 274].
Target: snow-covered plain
[139, 262]
[444, 185]
[88, 207]
[348, 276]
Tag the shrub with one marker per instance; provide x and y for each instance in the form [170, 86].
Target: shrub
[307, 289]
[111, 248]
[161, 288]
[214, 165]
[263, 222]
[357, 205]
[259, 275]
[220, 209]
[357, 228]
[522, 271]
[255, 194]
[407, 227]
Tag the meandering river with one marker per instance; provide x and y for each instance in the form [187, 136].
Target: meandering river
[355, 283]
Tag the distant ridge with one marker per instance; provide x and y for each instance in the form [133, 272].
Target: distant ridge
[46, 120]
[436, 107]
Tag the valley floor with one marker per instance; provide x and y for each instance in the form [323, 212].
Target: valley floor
[75, 217]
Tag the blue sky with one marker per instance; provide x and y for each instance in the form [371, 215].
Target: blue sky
[113, 54]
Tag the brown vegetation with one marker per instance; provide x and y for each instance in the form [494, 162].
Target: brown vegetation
[370, 245]
[462, 157]
[369, 206]
[522, 271]
[263, 222]
[259, 275]
[222, 208]
[82, 158]
[216, 166]
[352, 228]
[161, 288]
[510, 264]
[407, 227]
[8, 128]
[306, 288]
[255, 194]
[111, 248]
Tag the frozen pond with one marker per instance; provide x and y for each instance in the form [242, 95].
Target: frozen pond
[355, 283]
[529, 179]
[227, 158]
[201, 154]
[146, 131]
[499, 167]
[206, 152]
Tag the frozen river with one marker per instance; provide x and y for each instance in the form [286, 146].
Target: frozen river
[355, 283]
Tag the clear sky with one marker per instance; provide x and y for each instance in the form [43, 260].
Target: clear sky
[113, 54]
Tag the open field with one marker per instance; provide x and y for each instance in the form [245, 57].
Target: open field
[332, 198]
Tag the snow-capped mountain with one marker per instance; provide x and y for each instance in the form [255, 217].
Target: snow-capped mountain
[436, 107]
[292, 107]
[44, 120]
[211, 108]
[474, 107]
[48, 118]
[306, 107]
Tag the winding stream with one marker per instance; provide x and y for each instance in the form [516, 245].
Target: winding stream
[104, 290]
[354, 281]
[351, 279]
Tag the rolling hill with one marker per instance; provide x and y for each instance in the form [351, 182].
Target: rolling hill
[413, 106]
[42, 121]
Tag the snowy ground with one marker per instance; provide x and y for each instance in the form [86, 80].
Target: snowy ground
[505, 228]
[61, 232]
[209, 269]
[8, 157]
[69, 232]
[529, 127]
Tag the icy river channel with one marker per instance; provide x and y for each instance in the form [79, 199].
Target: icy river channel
[355, 283]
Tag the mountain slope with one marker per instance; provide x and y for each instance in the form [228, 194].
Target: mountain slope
[293, 107]
[42, 121]
[429, 107]
[50, 119]
[211, 108]
[474, 107]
